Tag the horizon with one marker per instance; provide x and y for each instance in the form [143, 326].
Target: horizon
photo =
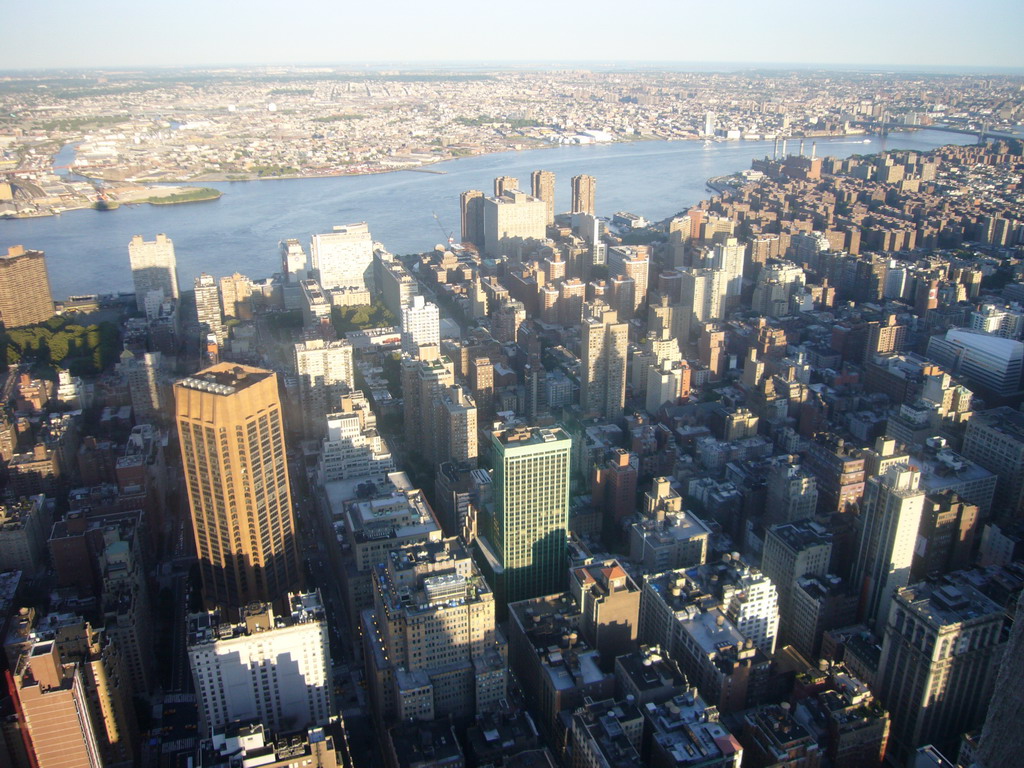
[914, 34]
[385, 67]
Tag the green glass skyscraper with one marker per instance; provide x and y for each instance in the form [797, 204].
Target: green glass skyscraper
[523, 536]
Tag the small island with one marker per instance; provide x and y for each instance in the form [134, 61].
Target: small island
[196, 195]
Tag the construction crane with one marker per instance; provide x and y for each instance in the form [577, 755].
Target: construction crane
[449, 238]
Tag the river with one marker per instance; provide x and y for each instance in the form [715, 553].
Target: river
[87, 251]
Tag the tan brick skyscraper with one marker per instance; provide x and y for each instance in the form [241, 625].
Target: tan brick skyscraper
[583, 193]
[236, 470]
[24, 288]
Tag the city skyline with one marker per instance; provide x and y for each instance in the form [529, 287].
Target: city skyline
[795, 32]
[703, 446]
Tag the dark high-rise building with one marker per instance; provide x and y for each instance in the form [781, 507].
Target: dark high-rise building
[523, 538]
[1002, 739]
[941, 652]
[542, 185]
[583, 192]
[24, 288]
[236, 472]
[472, 203]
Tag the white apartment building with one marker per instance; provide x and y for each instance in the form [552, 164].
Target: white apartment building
[353, 447]
[208, 307]
[889, 520]
[268, 668]
[154, 268]
[294, 262]
[325, 373]
[344, 257]
[729, 258]
[421, 325]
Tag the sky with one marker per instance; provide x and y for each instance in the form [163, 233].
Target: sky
[944, 34]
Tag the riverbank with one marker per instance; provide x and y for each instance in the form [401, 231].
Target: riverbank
[87, 251]
[427, 166]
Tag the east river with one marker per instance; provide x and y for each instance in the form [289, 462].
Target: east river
[87, 251]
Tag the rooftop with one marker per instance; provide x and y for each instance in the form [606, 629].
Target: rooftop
[802, 534]
[204, 628]
[953, 600]
[688, 730]
[225, 378]
[1004, 419]
[520, 436]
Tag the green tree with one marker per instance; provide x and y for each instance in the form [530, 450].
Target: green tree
[60, 345]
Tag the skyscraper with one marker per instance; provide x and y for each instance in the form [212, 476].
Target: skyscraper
[709, 123]
[423, 379]
[889, 520]
[511, 221]
[294, 263]
[729, 258]
[208, 307]
[271, 666]
[791, 551]
[583, 192]
[154, 268]
[941, 652]
[54, 703]
[236, 471]
[456, 419]
[604, 343]
[524, 533]
[631, 262]
[325, 374]
[235, 293]
[703, 294]
[505, 184]
[1002, 740]
[472, 204]
[24, 288]
[542, 186]
[420, 325]
[433, 648]
[988, 362]
[143, 374]
[344, 257]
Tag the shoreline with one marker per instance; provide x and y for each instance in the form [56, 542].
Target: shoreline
[426, 167]
[153, 188]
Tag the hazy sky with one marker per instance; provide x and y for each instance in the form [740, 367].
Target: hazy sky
[123, 33]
